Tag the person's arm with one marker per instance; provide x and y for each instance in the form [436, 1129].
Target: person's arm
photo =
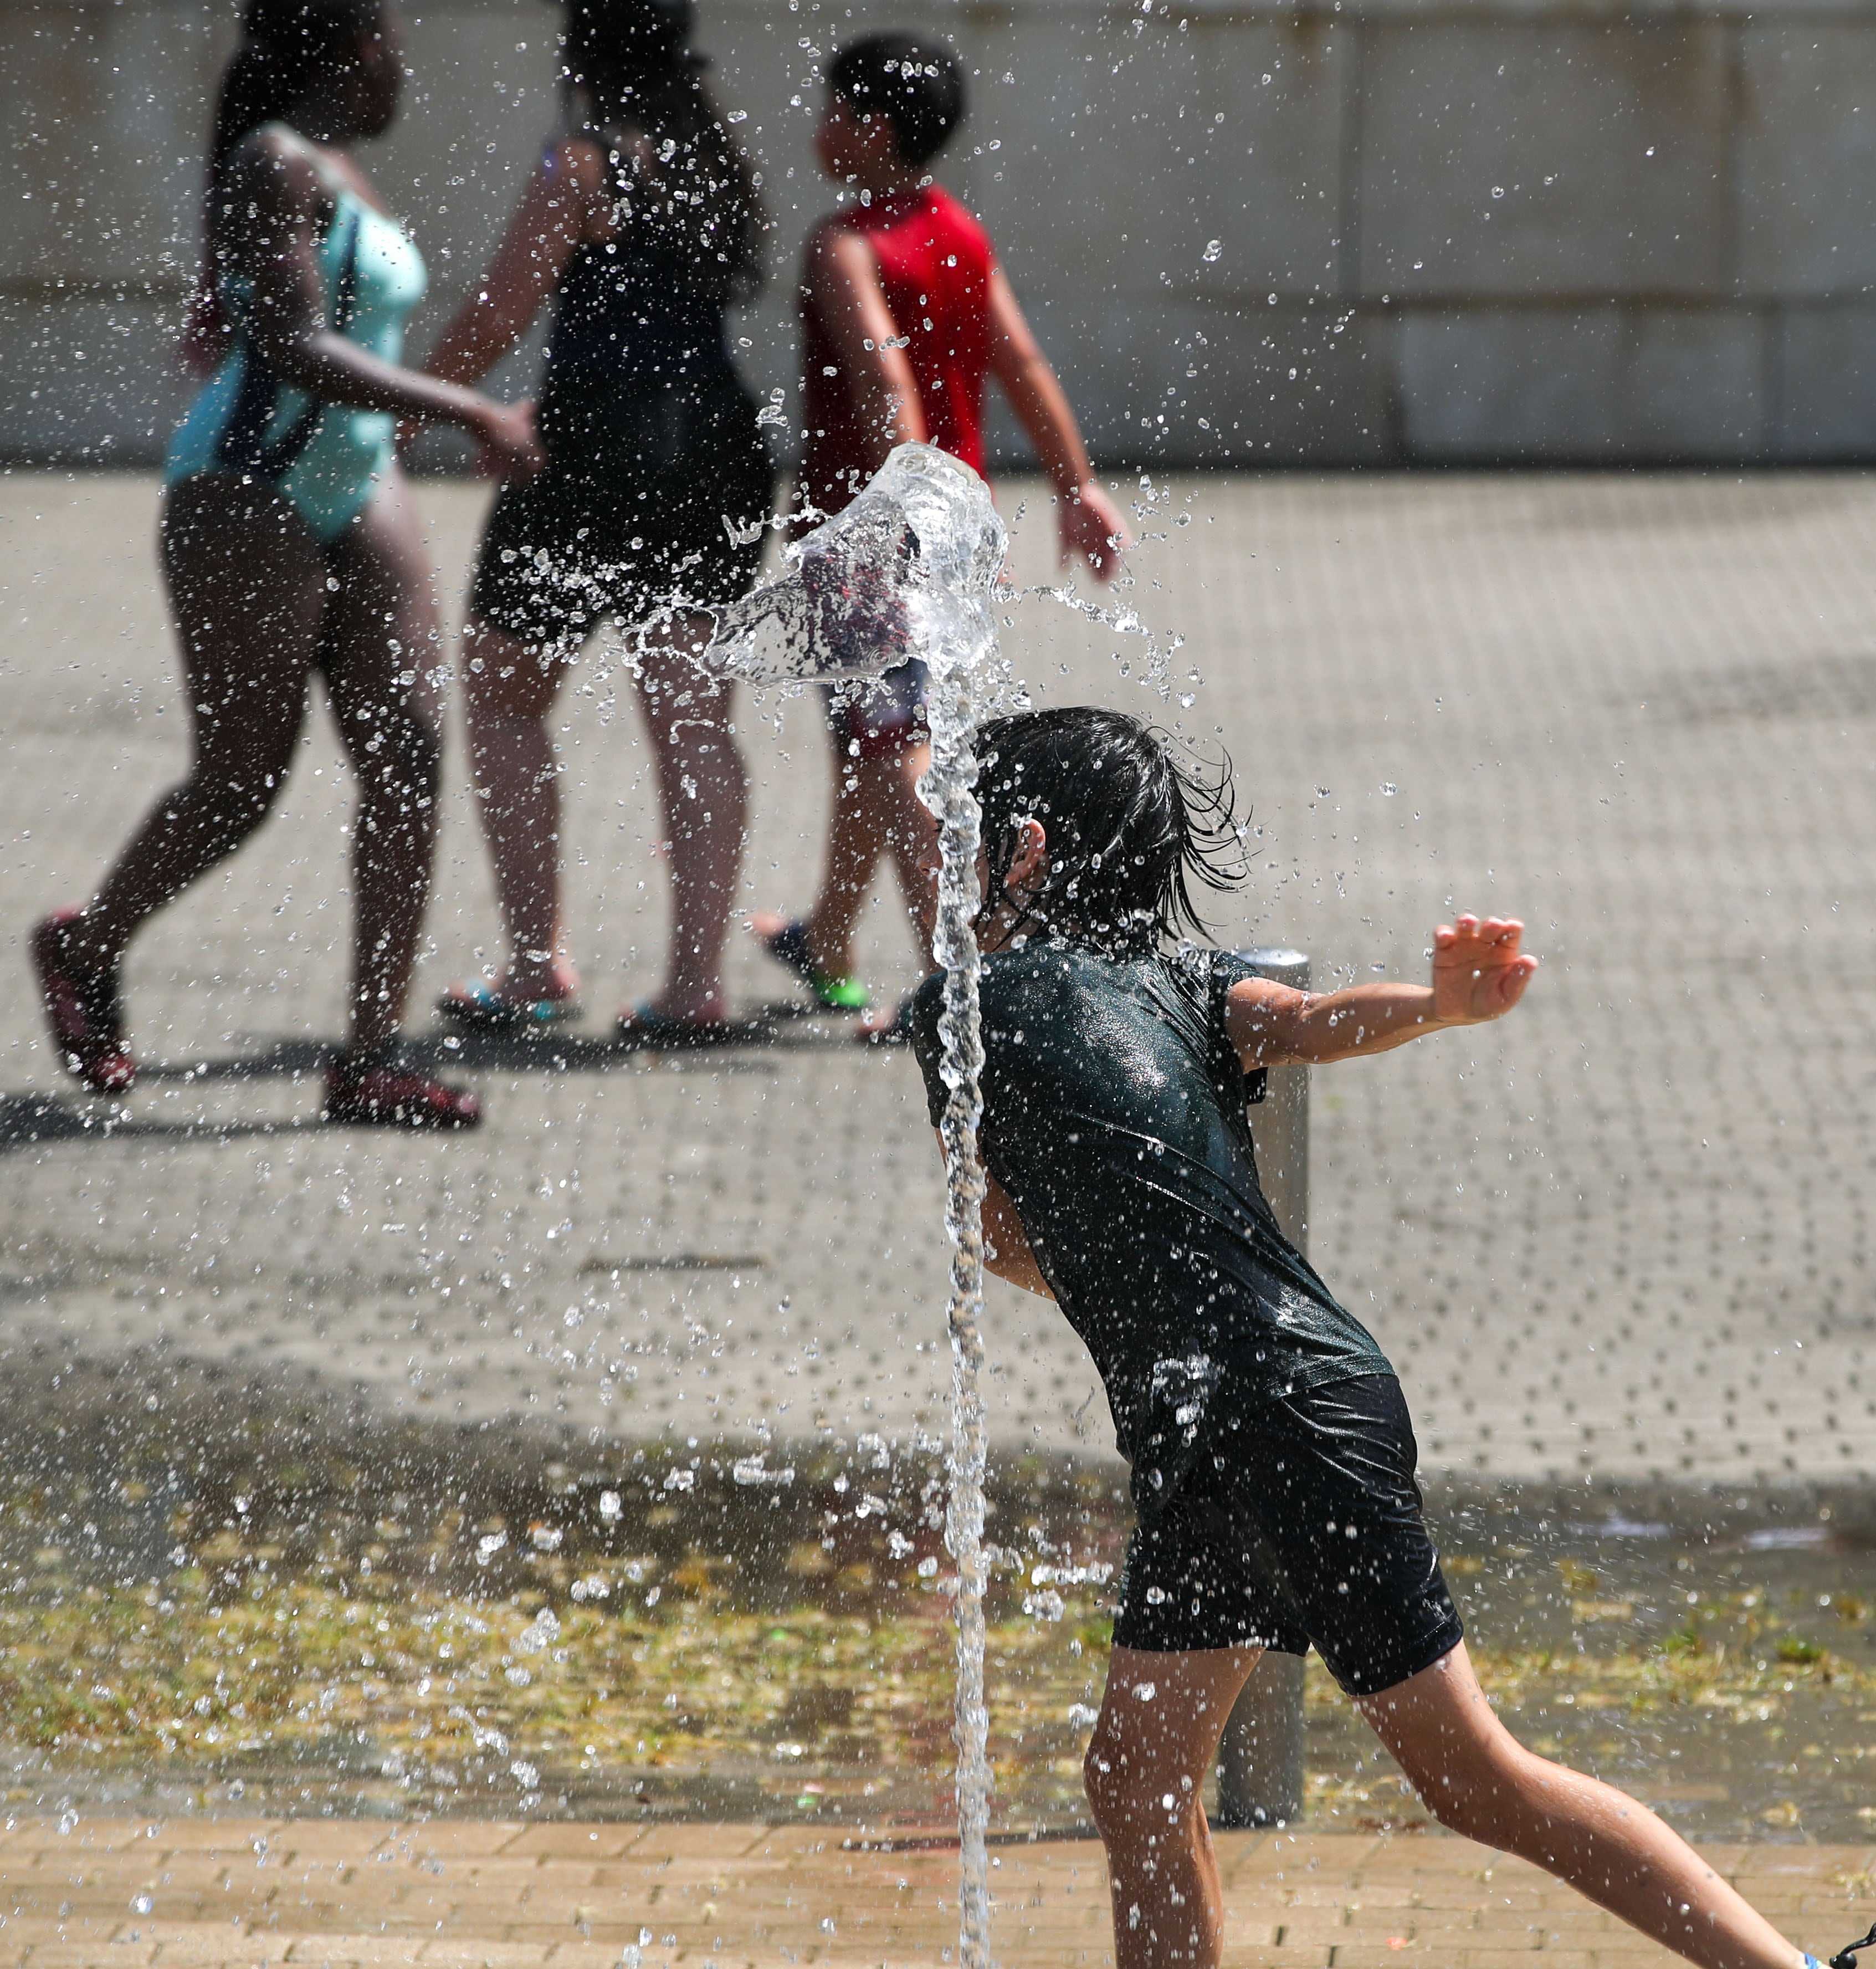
[1092, 529]
[1478, 973]
[553, 217]
[1006, 1250]
[277, 199]
[843, 289]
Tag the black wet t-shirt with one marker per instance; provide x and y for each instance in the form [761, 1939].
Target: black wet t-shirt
[1114, 1116]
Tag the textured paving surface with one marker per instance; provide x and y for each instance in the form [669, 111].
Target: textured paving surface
[1627, 1232]
[235, 1894]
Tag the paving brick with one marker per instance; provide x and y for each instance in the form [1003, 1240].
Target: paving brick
[597, 1842]
[85, 1954]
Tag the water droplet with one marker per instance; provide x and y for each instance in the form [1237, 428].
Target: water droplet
[1213, 249]
[141, 1903]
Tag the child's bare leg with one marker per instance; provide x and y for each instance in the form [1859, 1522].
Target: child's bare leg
[1477, 1779]
[509, 687]
[704, 788]
[876, 813]
[912, 835]
[1154, 1744]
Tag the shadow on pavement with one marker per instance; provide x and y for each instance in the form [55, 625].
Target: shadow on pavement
[29, 1119]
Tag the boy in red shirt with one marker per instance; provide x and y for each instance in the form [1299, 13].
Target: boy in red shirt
[904, 312]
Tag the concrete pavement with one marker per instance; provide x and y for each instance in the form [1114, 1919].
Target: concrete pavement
[1626, 1233]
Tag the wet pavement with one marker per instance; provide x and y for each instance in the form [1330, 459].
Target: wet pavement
[1618, 1246]
[1625, 1234]
[299, 1613]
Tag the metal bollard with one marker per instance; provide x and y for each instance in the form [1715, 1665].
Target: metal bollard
[1260, 1757]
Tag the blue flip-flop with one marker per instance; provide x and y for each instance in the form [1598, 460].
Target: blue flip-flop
[642, 1025]
[479, 1004]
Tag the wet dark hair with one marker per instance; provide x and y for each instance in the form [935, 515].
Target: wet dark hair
[915, 84]
[631, 64]
[286, 47]
[1130, 827]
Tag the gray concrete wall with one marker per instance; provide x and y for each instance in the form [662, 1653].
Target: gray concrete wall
[1512, 230]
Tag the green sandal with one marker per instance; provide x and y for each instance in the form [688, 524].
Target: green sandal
[789, 947]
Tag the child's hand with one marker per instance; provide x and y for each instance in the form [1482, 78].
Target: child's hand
[1093, 535]
[1479, 972]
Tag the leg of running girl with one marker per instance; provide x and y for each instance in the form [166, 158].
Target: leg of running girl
[1155, 1744]
[510, 686]
[247, 588]
[1152, 1752]
[703, 788]
[1475, 1778]
[380, 651]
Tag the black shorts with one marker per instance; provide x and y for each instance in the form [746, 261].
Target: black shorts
[640, 480]
[874, 718]
[1299, 1523]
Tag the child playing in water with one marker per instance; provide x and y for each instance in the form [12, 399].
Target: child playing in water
[904, 312]
[1271, 1454]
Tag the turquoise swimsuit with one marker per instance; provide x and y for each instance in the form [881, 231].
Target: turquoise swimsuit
[326, 458]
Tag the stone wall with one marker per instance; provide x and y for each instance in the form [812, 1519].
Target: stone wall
[1358, 232]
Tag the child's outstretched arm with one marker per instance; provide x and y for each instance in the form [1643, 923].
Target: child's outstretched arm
[1092, 531]
[1479, 972]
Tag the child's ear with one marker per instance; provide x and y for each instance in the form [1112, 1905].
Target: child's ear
[1032, 848]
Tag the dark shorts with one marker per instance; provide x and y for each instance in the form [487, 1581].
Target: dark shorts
[1299, 1525]
[876, 717]
[640, 480]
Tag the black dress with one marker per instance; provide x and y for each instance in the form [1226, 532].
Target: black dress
[653, 454]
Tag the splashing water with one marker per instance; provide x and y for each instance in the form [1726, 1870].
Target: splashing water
[910, 569]
[905, 570]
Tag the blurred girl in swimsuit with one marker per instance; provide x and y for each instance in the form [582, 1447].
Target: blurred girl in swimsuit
[644, 224]
[289, 546]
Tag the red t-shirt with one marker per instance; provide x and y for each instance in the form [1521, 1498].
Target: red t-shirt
[935, 262]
